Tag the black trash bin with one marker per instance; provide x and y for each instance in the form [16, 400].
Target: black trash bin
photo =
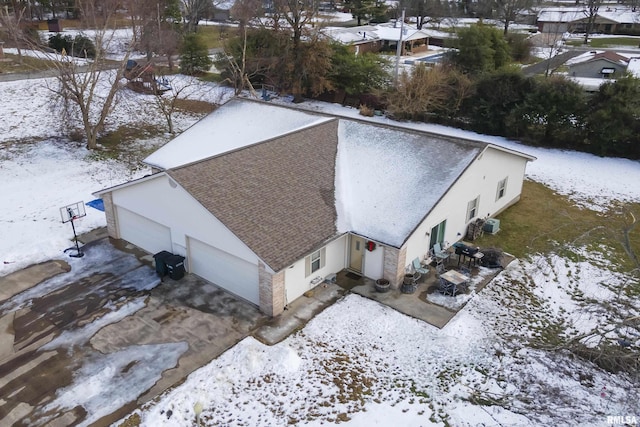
[175, 267]
[161, 262]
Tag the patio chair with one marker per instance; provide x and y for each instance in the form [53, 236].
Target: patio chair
[419, 267]
[446, 288]
[440, 253]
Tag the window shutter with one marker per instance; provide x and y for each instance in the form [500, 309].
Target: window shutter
[323, 257]
[307, 266]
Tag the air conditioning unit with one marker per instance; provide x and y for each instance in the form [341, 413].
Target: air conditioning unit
[492, 225]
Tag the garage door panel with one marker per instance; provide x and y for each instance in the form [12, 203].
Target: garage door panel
[234, 274]
[147, 234]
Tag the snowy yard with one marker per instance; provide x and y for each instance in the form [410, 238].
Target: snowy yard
[357, 363]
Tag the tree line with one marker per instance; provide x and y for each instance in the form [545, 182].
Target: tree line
[479, 87]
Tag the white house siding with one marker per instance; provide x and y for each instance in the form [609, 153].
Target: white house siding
[143, 232]
[162, 201]
[480, 179]
[295, 281]
[234, 274]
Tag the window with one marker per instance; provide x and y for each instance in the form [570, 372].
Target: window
[315, 261]
[472, 208]
[502, 189]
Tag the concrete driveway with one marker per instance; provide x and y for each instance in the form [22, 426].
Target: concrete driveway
[85, 341]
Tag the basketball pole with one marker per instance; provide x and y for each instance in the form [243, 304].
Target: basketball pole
[79, 253]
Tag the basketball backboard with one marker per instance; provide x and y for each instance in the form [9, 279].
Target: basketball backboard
[72, 211]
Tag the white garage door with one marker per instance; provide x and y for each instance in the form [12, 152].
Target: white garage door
[143, 232]
[234, 274]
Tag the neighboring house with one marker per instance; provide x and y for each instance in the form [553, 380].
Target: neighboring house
[634, 67]
[598, 64]
[609, 20]
[375, 38]
[267, 201]
[221, 11]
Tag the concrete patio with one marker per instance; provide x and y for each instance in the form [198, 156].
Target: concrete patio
[417, 304]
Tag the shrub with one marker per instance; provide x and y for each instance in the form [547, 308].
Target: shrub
[366, 111]
[79, 46]
[194, 55]
[83, 47]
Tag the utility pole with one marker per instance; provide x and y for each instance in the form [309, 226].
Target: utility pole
[399, 50]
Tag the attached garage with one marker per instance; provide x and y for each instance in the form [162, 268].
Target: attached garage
[234, 274]
[143, 232]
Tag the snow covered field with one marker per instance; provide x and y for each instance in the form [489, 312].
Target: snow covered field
[357, 363]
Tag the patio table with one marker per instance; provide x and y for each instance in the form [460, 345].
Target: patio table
[452, 281]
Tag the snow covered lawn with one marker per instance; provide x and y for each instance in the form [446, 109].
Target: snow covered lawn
[361, 363]
[358, 363]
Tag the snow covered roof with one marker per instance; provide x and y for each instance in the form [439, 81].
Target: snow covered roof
[599, 54]
[287, 194]
[620, 15]
[352, 35]
[237, 125]
[388, 179]
[561, 14]
[391, 33]
[634, 67]
[367, 33]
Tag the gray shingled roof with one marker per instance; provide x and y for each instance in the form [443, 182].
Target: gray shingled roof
[276, 196]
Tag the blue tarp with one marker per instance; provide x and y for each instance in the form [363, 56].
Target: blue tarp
[96, 204]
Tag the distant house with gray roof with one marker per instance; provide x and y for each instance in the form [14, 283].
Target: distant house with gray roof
[598, 64]
[608, 20]
[266, 201]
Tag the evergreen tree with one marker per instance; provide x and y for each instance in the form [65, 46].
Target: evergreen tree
[357, 74]
[194, 55]
[497, 94]
[613, 123]
[552, 113]
[481, 48]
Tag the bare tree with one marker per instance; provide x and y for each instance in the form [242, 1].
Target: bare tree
[153, 27]
[508, 10]
[11, 24]
[194, 10]
[298, 14]
[88, 91]
[179, 91]
[426, 11]
[243, 11]
[591, 12]
[552, 40]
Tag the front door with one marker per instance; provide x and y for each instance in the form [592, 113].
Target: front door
[356, 253]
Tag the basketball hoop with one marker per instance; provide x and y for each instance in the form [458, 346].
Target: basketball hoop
[70, 213]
